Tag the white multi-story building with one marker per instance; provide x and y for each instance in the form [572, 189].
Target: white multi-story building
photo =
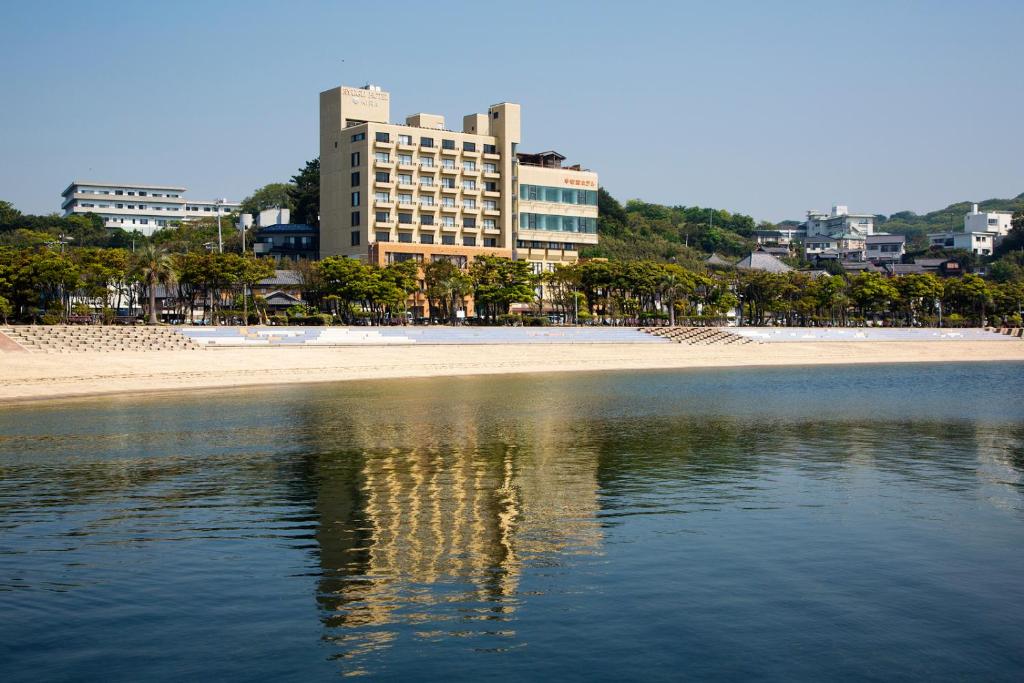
[840, 221]
[983, 231]
[145, 208]
[998, 222]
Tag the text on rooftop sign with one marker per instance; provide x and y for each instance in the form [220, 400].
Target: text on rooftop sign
[580, 182]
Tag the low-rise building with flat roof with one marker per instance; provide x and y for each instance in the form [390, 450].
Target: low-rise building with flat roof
[145, 208]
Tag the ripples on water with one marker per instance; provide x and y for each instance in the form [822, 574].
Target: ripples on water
[808, 524]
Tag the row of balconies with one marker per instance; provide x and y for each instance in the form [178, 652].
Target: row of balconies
[444, 227]
[452, 170]
[448, 151]
[433, 208]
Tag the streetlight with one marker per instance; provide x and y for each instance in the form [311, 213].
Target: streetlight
[220, 238]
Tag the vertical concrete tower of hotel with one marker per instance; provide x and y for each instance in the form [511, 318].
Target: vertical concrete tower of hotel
[393, 192]
[418, 191]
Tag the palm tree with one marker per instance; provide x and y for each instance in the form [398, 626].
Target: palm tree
[671, 284]
[155, 266]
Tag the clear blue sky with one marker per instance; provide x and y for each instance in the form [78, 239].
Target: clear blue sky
[766, 108]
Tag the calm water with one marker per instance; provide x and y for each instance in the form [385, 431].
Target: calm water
[861, 523]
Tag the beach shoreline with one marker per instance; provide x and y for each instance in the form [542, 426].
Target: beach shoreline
[30, 378]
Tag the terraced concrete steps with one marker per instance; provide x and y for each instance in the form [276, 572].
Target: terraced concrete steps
[698, 336]
[95, 338]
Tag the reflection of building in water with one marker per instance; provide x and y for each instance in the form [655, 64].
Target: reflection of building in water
[435, 517]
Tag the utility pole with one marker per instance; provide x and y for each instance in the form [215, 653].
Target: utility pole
[220, 238]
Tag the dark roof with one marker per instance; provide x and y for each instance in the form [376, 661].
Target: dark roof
[716, 260]
[281, 278]
[279, 298]
[776, 251]
[281, 228]
[886, 238]
[905, 268]
[930, 262]
[759, 260]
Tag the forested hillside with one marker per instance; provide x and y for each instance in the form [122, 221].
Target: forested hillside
[640, 230]
[916, 227]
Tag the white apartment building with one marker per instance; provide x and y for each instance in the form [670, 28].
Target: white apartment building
[839, 221]
[145, 208]
[983, 231]
[998, 222]
[980, 243]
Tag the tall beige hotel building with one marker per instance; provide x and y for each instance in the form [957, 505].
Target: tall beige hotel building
[391, 192]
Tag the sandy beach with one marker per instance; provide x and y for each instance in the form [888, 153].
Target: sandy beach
[27, 377]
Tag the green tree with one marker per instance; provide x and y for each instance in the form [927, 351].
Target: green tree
[305, 194]
[447, 288]
[499, 282]
[270, 196]
[155, 267]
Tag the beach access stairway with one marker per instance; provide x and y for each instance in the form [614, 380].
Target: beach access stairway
[97, 338]
[698, 336]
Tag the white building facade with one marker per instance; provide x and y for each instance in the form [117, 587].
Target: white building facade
[983, 231]
[840, 221]
[145, 208]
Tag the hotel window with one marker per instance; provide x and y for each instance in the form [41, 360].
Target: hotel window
[143, 221]
[405, 198]
[490, 205]
[426, 220]
[355, 199]
[405, 159]
[355, 158]
[448, 163]
[405, 218]
[382, 137]
[358, 137]
[427, 162]
[142, 193]
[405, 237]
[469, 241]
[447, 201]
[491, 187]
[447, 144]
[426, 201]
[448, 239]
[355, 219]
[468, 184]
[489, 224]
[447, 182]
[469, 146]
[118, 191]
[382, 157]
[490, 168]
[448, 221]
[426, 239]
[405, 139]
[427, 182]
[383, 216]
[355, 178]
[469, 203]
[355, 238]
[383, 236]
[405, 179]
[382, 196]
[383, 176]
[426, 142]
[468, 165]
[469, 222]
[490, 241]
